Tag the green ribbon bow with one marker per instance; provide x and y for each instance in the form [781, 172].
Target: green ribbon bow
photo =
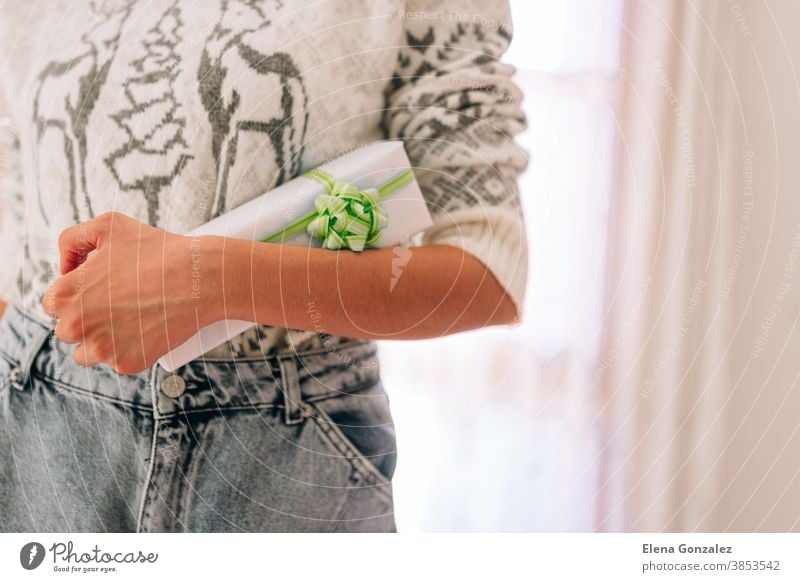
[345, 217]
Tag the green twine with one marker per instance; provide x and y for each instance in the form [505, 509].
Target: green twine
[344, 216]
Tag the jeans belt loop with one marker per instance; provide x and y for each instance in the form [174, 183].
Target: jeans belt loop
[290, 388]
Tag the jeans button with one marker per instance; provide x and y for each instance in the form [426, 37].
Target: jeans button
[173, 386]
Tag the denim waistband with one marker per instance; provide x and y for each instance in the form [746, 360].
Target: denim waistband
[28, 347]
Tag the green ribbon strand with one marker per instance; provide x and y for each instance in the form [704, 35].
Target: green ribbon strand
[344, 216]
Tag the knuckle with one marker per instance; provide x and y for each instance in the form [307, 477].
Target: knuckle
[68, 329]
[72, 327]
[64, 237]
[57, 290]
[95, 350]
[125, 367]
[105, 219]
[80, 357]
[48, 303]
[103, 226]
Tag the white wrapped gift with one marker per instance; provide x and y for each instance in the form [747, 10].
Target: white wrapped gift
[368, 168]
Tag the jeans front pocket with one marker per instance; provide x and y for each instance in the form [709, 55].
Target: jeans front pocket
[359, 427]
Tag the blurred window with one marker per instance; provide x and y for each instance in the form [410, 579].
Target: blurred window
[498, 429]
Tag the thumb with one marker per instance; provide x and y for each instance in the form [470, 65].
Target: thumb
[77, 241]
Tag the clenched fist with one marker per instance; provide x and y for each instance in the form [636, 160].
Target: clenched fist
[129, 292]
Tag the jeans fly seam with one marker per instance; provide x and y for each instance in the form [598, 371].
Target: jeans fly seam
[189, 477]
[152, 462]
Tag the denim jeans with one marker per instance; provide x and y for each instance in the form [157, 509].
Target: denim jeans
[292, 442]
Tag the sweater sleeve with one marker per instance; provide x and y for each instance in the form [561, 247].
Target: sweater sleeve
[454, 105]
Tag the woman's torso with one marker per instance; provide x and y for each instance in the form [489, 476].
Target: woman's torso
[174, 112]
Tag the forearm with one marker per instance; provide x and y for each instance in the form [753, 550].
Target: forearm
[411, 293]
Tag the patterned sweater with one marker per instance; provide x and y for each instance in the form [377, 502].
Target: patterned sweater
[175, 111]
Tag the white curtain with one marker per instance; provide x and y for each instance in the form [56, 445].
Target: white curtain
[699, 367]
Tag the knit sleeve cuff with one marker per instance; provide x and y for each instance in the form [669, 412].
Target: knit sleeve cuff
[496, 237]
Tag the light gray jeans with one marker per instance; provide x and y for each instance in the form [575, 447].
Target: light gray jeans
[294, 442]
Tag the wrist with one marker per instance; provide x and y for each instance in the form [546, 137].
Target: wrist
[208, 277]
[244, 274]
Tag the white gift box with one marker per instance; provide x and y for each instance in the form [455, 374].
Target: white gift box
[367, 167]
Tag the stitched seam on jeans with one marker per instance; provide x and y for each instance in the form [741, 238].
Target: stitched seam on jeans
[8, 358]
[237, 408]
[181, 488]
[356, 487]
[88, 394]
[143, 407]
[190, 477]
[348, 501]
[360, 463]
[151, 464]
[71, 387]
[25, 317]
[274, 356]
[244, 407]
[29, 317]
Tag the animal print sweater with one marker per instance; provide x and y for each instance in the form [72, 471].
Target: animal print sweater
[176, 111]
